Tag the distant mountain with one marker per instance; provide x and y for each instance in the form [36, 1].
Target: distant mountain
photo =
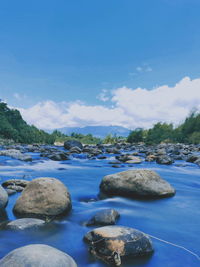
[97, 131]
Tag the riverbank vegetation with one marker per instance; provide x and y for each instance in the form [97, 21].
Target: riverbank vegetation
[187, 132]
[14, 128]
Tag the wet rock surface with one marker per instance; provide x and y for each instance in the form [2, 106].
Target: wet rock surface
[104, 217]
[3, 198]
[113, 243]
[136, 183]
[43, 197]
[16, 154]
[72, 143]
[25, 223]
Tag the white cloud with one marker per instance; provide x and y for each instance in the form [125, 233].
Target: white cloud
[103, 96]
[18, 96]
[142, 69]
[139, 69]
[130, 108]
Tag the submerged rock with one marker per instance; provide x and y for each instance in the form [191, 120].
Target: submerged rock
[113, 243]
[3, 198]
[25, 223]
[104, 217]
[43, 197]
[37, 255]
[136, 183]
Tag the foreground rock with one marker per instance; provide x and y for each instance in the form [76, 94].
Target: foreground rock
[104, 217]
[37, 256]
[16, 154]
[25, 223]
[136, 183]
[43, 197]
[72, 143]
[113, 243]
[3, 198]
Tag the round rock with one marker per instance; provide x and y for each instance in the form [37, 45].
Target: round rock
[136, 183]
[37, 256]
[104, 217]
[3, 198]
[43, 197]
[72, 143]
[25, 223]
[112, 243]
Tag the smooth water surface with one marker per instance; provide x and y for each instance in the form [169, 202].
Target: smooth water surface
[176, 219]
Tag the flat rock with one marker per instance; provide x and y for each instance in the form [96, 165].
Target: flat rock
[113, 243]
[18, 182]
[136, 183]
[43, 197]
[37, 255]
[16, 154]
[25, 223]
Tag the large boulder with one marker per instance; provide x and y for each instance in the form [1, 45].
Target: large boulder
[43, 197]
[72, 143]
[136, 183]
[113, 243]
[37, 256]
[16, 154]
[3, 198]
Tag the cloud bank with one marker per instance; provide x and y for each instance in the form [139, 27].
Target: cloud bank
[130, 108]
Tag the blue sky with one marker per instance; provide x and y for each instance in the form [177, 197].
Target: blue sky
[69, 51]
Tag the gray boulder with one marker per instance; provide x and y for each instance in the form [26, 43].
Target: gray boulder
[59, 156]
[37, 256]
[25, 223]
[113, 243]
[3, 198]
[136, 183]
[43, 197]
[16, 154]
[164, 159]
[104, 217]
[72, 143]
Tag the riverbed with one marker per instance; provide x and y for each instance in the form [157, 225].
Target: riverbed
[173, 223]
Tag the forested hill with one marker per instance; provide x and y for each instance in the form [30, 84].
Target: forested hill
[12, 126]
[187, 132]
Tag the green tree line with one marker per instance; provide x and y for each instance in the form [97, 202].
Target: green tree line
[12, 126]
[187, 132]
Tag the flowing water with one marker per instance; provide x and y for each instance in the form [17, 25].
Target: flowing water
[175, 221]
